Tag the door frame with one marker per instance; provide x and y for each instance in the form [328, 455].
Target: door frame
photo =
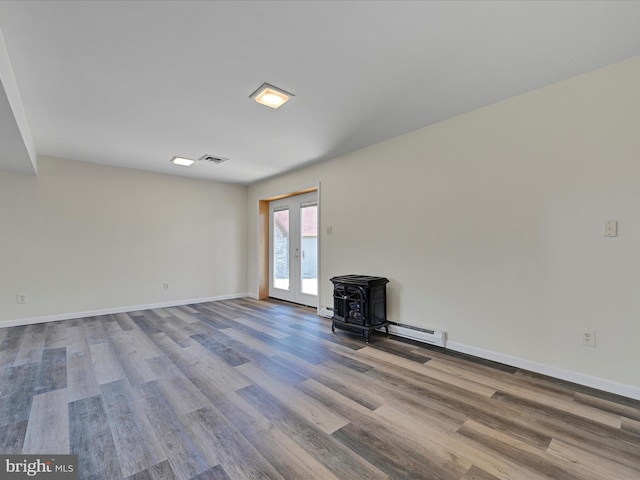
[295, 251]
[263, 238]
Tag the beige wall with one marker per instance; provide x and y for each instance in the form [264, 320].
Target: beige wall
[82, 237]
[489, 225]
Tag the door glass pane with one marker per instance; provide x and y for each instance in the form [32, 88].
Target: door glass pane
[309, 248]
[281, 249]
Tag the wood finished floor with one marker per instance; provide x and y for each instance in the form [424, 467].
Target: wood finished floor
[245, 389]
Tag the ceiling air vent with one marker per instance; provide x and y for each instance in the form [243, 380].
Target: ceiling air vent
[213, 159]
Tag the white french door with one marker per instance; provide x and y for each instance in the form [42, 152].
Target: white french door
[293, 249]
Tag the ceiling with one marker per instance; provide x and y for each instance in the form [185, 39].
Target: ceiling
[133, 84]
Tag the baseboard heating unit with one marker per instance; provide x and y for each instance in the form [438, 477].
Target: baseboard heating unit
[425, 335]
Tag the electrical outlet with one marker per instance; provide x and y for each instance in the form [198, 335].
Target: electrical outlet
[588, 338]
[21, 298]
[165, 286]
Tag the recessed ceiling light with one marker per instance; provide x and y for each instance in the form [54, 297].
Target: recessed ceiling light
[185, 162]
[271, 96]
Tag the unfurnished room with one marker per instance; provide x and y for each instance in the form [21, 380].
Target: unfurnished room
[311, 239]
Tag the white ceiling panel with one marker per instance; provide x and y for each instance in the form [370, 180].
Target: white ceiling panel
[134, 84]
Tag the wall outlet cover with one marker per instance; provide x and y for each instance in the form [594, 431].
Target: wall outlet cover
[588, 337]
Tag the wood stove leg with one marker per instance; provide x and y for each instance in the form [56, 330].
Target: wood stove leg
[366, 335]
[333, 327]
[386, 327]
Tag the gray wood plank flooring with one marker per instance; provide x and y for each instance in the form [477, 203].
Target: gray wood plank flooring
[246, 389]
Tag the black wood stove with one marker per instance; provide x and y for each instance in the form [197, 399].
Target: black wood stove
[359, 304]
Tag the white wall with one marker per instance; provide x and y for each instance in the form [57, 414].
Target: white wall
[82, 237]
[489, 226]
[17, 150]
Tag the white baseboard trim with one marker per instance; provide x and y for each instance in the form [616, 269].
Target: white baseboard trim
[610, 386]
[325, 312]
[109, 311]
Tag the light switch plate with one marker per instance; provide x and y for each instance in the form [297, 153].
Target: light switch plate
[610, 228]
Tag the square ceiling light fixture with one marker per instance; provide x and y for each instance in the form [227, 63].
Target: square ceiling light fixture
[271, 96]
[185, 162]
